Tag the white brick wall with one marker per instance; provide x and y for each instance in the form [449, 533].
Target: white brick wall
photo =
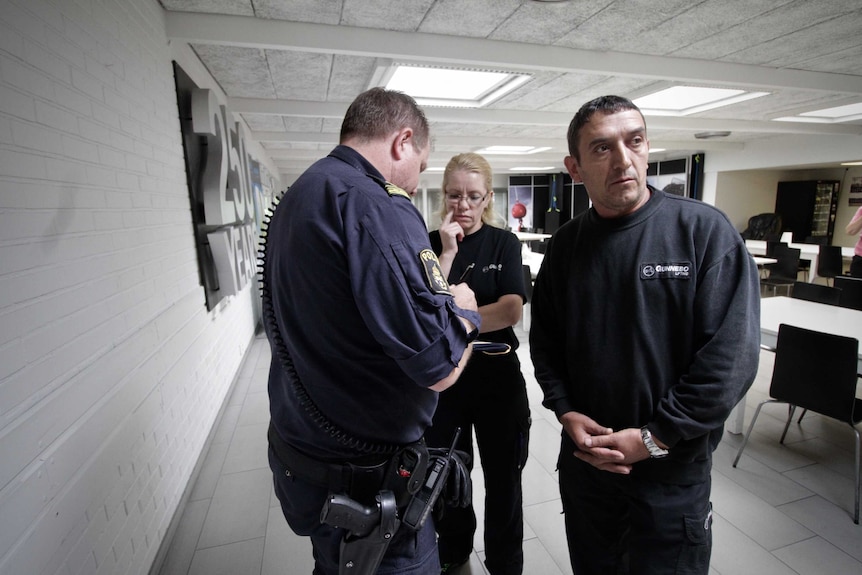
[111, 370]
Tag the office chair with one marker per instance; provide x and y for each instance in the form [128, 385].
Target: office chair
[851, 291]
[763, 227]
[815, 371]
[816, 292]
[783, 273]
[830, 262]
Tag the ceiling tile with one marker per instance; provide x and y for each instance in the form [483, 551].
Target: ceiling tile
[546, 23]
[264, 122]
[379, 14]
[350, 76]
[233, 7]
[241, 72]
[299, 75]
[478, 19]
[315, 11]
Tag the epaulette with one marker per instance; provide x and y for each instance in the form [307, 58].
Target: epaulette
[394, 190]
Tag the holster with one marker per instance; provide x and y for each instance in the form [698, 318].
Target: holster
[362, 555]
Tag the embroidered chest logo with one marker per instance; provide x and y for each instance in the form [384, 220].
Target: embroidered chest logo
[436, 280]
[675, 270]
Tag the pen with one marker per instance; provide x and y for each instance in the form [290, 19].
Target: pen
[466, 273]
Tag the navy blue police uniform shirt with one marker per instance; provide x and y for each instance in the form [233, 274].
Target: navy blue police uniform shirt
[362, 306]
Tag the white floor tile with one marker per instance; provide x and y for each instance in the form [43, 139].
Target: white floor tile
[232, 559]
[762, 522]
[248, 449]
[830, 522]
[284, 552]
[816, 556]
[182, 550]
[239, 509]
[734, 553]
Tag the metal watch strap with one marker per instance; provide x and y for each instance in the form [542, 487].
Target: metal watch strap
[655, 451]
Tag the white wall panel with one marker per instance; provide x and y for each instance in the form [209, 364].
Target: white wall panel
[112, 372]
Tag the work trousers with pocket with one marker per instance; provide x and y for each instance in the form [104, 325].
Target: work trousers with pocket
[624, 525]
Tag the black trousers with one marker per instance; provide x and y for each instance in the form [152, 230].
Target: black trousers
[490, 397]
[623, 525]
[856, 266]
[410, 553]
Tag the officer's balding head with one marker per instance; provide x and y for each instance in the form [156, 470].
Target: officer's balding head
[377, 113]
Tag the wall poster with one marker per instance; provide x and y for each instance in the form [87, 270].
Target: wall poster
[520, 208]
[855, 191]
[670, 176]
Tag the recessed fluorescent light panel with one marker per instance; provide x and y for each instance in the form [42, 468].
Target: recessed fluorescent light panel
[685, 100]
[532, 169]
[449, 87]
[834, 115]
[511, 150]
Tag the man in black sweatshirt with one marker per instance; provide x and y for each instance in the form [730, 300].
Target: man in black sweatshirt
[645, 334]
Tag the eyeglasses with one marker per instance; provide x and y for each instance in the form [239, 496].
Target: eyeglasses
[472, 199]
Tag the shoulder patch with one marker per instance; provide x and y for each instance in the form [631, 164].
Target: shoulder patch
[436, 280]
[394, 190]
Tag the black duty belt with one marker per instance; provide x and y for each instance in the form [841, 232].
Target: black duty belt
[357, 480]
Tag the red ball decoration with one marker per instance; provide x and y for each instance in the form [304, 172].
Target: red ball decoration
[519, 210]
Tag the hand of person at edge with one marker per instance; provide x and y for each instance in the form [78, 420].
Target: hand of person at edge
[598, 445]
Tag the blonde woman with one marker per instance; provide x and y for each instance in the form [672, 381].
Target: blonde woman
[490, 397]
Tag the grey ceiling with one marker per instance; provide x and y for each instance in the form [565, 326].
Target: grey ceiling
[291, 67]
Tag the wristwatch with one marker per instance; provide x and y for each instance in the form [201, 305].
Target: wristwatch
[655, 451]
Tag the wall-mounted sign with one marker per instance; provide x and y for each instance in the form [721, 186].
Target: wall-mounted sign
[223, 182]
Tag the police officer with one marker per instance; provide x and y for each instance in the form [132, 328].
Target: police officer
[363, 326]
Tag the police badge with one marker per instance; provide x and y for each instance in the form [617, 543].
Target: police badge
[436, 280]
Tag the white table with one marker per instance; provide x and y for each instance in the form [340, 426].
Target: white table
[532, 259]
[528, 256]
[531, 236]
[801, 313]
[762, 260]
[807, 252]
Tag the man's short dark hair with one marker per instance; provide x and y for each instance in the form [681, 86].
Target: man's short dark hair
[378, 112]
[603, 104]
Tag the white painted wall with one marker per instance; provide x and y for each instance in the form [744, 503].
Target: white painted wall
[112, 372]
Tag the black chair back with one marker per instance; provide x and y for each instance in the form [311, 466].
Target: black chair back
[788, 263]
[816, 292]
[830, 262]
[816, 371]
[851, 291]
[784, 272]
[772, 246]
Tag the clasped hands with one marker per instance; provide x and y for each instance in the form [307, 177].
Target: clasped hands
[602, 447]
